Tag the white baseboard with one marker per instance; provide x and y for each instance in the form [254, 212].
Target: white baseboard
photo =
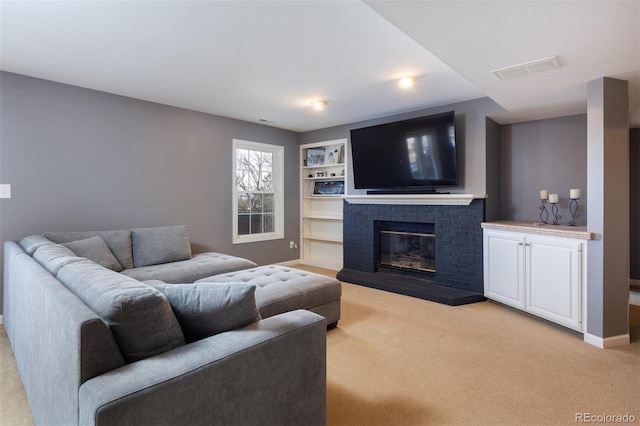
[289, 262]
[1, 320]
[333, 266]
[607, 342]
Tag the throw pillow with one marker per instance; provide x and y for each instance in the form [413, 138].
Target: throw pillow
[119, 242]
[205, 309]
[139, 316]
[164, 244]
[95, 249]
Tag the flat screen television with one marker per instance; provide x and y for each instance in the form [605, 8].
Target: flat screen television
[408, 156]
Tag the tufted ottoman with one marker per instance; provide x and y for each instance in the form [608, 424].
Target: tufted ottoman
[281, 289]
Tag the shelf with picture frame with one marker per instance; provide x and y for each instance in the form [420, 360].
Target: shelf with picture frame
[323, 185]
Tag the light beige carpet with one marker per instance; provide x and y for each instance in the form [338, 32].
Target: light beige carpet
[397, 360]
[14, 409]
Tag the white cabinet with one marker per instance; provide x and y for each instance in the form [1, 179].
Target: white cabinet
[504, 267]
[540, 274]
[554, 279]
[322, 187]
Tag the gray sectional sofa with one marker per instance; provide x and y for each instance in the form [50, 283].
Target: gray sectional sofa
[129, 327]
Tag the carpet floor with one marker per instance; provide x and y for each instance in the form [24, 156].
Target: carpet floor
[398, 360]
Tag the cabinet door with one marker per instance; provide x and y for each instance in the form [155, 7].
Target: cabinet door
[553, 279]
[504, 267]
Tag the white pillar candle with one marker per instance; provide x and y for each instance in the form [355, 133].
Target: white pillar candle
[553, 198]
[544, 194]
[575, 194]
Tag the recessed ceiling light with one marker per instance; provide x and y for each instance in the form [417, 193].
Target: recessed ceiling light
[406, 82]
[318, 105]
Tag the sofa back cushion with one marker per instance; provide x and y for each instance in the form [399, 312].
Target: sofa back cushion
[31, 243]
[139, 316]
[95, 249]
[119, 242]
[206, 309]
[54, 256]
[163, 244]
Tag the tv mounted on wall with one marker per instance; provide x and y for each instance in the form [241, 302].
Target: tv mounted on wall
[408, 156]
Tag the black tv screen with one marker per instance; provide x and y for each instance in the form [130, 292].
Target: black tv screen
[414, 155]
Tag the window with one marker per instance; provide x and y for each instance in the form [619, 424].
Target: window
[258, 174]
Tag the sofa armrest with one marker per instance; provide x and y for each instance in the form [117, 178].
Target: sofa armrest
[270, 372]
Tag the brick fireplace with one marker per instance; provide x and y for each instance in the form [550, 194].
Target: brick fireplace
[458, 276]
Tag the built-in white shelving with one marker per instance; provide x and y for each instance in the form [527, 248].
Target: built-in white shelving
[323, 171]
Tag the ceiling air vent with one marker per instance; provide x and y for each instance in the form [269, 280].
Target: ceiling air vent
[527, 68]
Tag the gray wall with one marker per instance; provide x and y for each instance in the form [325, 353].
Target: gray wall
[546, 154]
[634, 203]
[79, 159]
[608, 178]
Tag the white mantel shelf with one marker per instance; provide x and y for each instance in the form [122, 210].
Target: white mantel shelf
[415, 199]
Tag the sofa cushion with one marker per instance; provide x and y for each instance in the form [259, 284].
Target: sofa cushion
[163, 244]
[139, 316]
[119, 241]
[32, 243]
[205, 309]
[54, 256]
[95, 249]
[199, 266]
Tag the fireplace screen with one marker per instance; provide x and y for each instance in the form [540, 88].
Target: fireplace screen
[407, 250]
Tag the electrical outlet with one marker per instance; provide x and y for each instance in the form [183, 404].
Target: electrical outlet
[292, 245]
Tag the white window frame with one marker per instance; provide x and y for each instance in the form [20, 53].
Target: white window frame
[278, 187]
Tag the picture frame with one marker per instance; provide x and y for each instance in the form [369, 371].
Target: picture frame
[334, 154]
[315, 157]
[320, 174]
[328, 188]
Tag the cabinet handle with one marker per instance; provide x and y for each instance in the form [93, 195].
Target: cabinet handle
[519, 244]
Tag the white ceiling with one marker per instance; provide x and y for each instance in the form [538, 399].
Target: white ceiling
[266, 60]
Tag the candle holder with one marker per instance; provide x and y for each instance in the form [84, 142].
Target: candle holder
[544, 213]
[556, 216]
[573, 208]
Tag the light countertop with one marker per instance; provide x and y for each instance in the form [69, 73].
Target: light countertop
[578, 232]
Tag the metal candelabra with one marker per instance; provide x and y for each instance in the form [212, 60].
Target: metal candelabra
[556, 216]
[573, 208]
[544, 213]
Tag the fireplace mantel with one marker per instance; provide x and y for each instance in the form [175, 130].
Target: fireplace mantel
[415, 199]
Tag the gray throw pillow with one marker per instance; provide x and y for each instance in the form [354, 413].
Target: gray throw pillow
[95, 249]
[140, 317]
[205, 309]
[164, 244]
[119, 242]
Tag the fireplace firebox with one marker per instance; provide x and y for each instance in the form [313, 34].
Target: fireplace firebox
[406, 248]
